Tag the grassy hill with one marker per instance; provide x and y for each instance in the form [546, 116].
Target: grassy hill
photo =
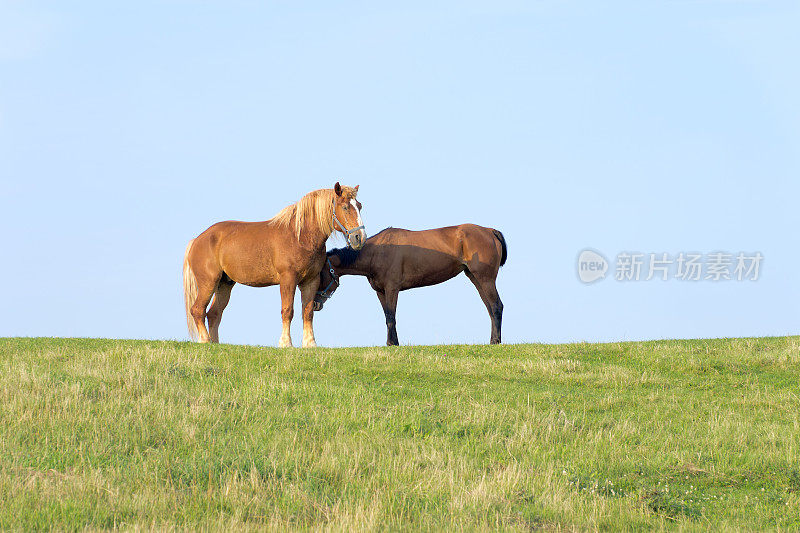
[676, 434]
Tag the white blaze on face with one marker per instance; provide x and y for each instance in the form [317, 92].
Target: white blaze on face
[358, 213]
[361, 232]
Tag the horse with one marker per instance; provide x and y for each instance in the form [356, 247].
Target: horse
[287, 250]
[397, 259]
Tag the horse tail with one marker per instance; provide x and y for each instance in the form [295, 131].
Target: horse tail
[499, 237]
[189, 292]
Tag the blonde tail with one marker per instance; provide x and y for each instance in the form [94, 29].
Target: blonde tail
[189, 293]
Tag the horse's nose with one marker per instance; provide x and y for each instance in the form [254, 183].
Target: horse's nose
[357, 240]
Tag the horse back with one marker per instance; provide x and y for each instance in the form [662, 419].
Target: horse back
[429, 257]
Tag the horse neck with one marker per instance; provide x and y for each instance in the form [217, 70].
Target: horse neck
[313, 237]
[360, 267]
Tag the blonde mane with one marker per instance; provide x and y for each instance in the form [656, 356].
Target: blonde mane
[315, 209]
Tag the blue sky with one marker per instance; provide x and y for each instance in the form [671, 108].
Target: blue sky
[658, 127]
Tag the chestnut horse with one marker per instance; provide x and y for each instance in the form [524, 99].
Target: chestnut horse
[287, 250]
[397, 259]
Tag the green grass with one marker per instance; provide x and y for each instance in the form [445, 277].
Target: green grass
[692, 435]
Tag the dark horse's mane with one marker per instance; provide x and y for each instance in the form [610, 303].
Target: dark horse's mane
[347, 256]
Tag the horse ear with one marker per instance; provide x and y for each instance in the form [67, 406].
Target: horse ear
[337, 189]
[355, 188]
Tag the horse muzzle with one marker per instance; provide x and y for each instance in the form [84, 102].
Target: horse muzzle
[318, 305]
[357, 239]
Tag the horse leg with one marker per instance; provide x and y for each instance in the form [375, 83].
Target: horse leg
[488, 291]
[221, 298]
[288, 287]
[307, 292]
[205, 289]
[388, 300]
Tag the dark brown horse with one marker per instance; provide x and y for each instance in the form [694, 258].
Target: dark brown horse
[397, 259]
[288, 250]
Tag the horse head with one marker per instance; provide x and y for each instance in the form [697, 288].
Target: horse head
[347, 216]
[328, 283]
